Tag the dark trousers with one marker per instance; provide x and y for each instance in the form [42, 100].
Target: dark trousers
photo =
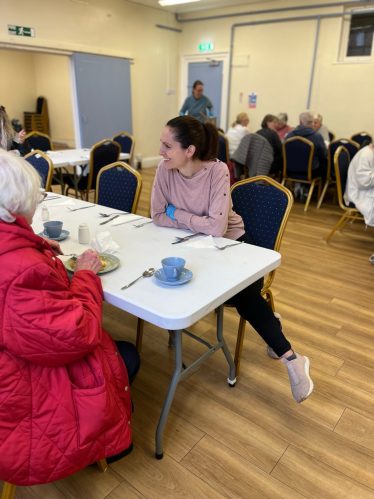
[255, 309]
[131, 358]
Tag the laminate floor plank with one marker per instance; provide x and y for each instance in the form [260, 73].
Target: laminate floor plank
[125, 491]
[48, 490]
[357, 428]
[357, 375]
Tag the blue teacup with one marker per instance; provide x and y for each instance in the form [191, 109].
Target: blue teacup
[173, 267]
[52, 229]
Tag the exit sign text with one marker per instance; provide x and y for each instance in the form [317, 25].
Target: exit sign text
[206, 46]
[20, 31]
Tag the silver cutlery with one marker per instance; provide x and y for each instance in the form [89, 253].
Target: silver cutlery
[146, 273]
[145, 223]
[183, 239]
[49, 198]
[73, 256]
[110, 214]
[109, 220]
[227, 245]
[83, 208]
[129, 222]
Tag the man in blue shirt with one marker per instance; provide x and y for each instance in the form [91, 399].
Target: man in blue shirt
[197, 102]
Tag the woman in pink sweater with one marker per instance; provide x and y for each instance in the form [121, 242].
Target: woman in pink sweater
[192, 191]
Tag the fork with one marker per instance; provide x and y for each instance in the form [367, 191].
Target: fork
[73, 256]
[83, 208]
[145, 223]
[110, 214]
[227, 245]
[109, 220]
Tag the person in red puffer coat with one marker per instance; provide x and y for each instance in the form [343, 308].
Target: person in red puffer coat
[64, 387]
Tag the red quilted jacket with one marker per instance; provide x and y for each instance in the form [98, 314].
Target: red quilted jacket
[64, 390]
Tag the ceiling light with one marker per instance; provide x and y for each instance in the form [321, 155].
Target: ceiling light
[166, 3]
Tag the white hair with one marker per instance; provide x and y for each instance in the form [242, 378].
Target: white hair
[306, 118]
[319, 118]
[282, 118]
[19, 187]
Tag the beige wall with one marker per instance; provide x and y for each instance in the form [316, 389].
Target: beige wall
[17, 83]
[279, 68]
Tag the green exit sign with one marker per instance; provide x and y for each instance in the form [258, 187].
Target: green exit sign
[206, 46]
[20, 31]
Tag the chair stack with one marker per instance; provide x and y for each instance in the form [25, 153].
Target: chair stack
[38, 121]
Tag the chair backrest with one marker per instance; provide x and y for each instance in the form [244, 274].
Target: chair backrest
[341, 165]
[39, 105]
[223, 148]
[43, 165]
[265, 209]
[118, 187]
[39, 141]
[126, 142]
[102, 154]
[298, 156]
[331, 136]
[361, 137]
[352, 148]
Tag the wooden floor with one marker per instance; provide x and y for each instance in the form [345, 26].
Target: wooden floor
[254, 441]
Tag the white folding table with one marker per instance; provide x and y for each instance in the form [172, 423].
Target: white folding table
[75, 157]
[217, 276]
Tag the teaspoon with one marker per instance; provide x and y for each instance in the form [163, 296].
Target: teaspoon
[146, 273]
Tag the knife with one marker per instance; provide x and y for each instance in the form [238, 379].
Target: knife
[109, 220]
[188, 237]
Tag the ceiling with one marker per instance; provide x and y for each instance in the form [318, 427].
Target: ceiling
[204, 5]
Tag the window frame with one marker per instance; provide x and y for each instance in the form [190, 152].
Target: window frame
[344, 37]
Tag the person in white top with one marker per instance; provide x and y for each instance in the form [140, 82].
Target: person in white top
[360, 183]
[237, 131]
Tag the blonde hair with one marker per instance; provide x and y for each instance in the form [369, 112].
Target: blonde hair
[319, 118]
[19, 187]
[7, 132]
[240, 118]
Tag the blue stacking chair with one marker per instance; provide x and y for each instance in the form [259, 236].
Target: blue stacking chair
[351, 147]
[361, 137]
[39, 141]
[118, 187]
[127, 143]
[341, 165]
[223, 148]
[297, 164]
[43, 165]
[331, 136]
[265, 208]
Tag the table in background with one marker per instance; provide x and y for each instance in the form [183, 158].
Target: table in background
[217, 276]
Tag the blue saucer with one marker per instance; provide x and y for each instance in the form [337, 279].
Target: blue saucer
[185, 277]
[64, 234]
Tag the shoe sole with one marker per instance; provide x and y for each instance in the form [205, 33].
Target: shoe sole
[311, 387]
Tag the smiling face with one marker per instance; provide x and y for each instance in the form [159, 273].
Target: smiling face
[316, 124]
[172, 152]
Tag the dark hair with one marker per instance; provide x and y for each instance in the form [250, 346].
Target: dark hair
[268, 117]
[189, 131]
[197, 82]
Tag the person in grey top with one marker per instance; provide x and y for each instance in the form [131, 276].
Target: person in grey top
[197, 103]
[322, 129]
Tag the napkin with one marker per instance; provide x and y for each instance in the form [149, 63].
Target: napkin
[206, 242]
[68, 202]
[103, 243]
[126, 218]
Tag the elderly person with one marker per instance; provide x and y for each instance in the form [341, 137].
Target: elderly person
[197, 103]
[269, 132]
[65, 398]
[282, 128]
[360, 183]
[9, 139]
[322, 129]
[237, 131]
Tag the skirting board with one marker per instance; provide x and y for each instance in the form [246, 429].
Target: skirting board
[150, 162]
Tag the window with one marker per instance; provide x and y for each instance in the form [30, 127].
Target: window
[357, 36]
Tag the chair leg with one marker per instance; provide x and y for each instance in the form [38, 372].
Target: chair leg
[102, 465]
[344, 224]
[319, 188]
[8, 491]
[268, 295]
[320, 200]
[283, 181]
[337, 226]
[309, 195]
[139, 335]
[239, 345]
[170, 342]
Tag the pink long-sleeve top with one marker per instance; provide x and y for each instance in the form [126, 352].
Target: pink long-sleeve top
[203, 201]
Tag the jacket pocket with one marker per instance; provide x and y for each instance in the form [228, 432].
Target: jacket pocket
[96, 410]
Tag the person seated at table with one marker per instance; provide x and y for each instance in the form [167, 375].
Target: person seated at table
[282, 128]
[9, 139]
[269, 132]
[64, 382]
[237, 131]
[360, 183]
[191, 191]
[322, 129]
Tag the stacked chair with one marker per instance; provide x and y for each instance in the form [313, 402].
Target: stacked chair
[39, 120]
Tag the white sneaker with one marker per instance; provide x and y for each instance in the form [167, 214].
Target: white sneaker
[298, 372]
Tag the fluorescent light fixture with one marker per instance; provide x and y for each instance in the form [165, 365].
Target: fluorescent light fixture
[166, 3]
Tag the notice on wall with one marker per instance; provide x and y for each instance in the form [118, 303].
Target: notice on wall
[21, 31]
[252, 100]
[241, 97]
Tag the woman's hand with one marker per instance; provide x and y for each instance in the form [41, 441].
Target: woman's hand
[55, 246]
[21, 136]
[170, 211]
[88, 261]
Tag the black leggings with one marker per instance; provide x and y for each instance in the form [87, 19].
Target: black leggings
[255, 309]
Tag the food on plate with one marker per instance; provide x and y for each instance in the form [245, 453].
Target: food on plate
[103, 261]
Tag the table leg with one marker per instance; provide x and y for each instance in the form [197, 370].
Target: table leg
[169, 398]
[75, 182]
[62, 181]
[231, 379]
